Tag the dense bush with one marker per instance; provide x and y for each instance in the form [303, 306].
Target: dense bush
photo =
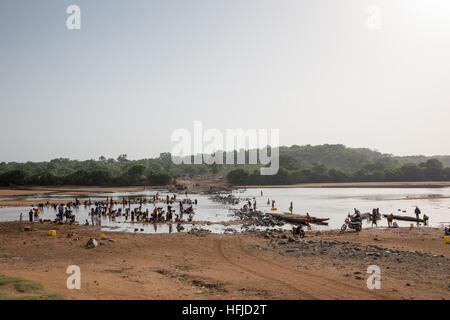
[298, 164]
[431, 170]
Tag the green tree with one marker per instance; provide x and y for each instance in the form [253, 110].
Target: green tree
[433, 169]
[238, 176]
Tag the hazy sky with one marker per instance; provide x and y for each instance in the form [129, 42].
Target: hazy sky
[137, 70]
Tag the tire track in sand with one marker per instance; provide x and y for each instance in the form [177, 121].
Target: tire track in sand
[273, 270]
[310, 286]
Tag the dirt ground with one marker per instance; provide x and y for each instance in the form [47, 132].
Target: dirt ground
[254, 265]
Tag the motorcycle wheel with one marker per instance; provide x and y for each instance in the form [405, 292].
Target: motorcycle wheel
[358, 228]
[343, 228]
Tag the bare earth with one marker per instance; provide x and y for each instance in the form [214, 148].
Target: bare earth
[232, 266]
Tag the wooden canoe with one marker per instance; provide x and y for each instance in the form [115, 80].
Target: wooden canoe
[297, 218]
[405, 218]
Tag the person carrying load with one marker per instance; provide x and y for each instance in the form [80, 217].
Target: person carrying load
[389, 218]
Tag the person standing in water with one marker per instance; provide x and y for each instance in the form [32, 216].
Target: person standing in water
[389, 218]
[308, 220]
[291, 207]
[417, 212]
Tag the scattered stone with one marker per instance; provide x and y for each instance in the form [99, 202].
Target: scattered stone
[92, 243]
[198, 232]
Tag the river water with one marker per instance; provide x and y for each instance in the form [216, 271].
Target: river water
[333, 203]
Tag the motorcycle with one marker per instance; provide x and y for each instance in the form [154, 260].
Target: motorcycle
[298, 231]
[351, 224]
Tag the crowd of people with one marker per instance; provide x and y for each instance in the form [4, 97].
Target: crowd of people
[112, 209]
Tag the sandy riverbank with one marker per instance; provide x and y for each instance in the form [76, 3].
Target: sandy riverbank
[197, 185]
[232, 266]
[420, 184]
[14, 197]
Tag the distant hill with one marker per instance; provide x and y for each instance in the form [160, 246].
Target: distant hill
[418, 159]
[340, 157]
[298, 164]
[337, 156]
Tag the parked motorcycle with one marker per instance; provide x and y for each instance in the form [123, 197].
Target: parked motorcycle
[351, 224]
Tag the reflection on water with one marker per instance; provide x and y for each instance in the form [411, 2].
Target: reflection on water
[333, 203]
[336, 203]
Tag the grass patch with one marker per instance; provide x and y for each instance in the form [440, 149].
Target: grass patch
[42, 297]
[21, 285]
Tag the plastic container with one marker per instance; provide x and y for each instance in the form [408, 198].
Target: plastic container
[447, 239]
[52, 233]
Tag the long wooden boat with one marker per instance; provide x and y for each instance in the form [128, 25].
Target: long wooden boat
[405, 218]
[297, 218]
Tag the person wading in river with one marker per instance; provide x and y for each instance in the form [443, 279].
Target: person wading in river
[374, 216]
[389, 218]
[417, 212]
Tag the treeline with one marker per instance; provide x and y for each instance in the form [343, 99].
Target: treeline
[120, 172]
[338, 156]
[105, 172]
[290, 172]
[133, 176]
[298, 164]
